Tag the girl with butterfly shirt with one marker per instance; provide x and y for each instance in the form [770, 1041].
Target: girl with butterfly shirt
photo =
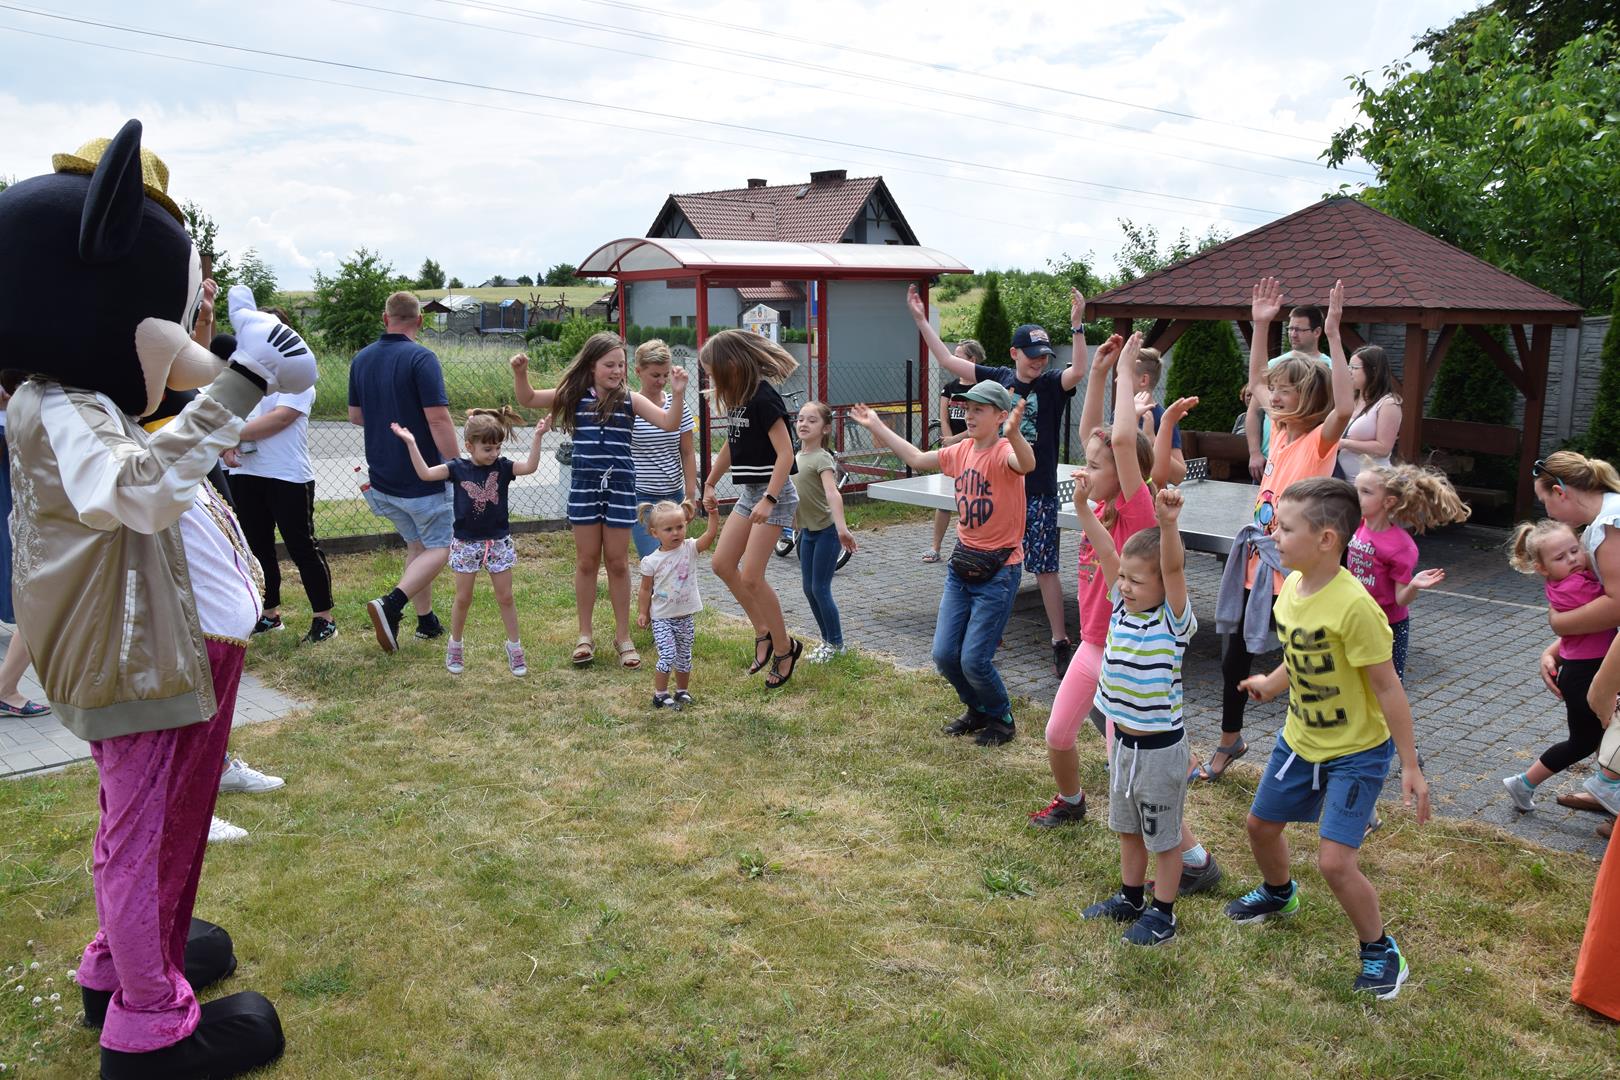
[482, 539]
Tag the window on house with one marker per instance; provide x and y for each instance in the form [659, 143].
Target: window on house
[674, 320]
[691, 322]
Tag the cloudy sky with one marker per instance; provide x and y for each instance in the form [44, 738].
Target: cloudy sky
[501, 136]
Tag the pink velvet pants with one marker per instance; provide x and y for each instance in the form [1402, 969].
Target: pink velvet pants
[157, 797]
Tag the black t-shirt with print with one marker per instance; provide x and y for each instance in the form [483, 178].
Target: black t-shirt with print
[748, 433]
[480, 498]
[1043, 420]
[956, 412]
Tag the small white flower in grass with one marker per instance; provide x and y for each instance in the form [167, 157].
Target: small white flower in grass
[73, 974]
[35, 965]
[38, 1001]
[30, 943]
[56, 997]
[59, 1008]
[19, 988]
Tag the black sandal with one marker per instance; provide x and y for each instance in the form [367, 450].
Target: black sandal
[792, 657]
[770, 650]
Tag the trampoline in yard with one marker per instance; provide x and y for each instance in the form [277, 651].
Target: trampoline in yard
[862, 345]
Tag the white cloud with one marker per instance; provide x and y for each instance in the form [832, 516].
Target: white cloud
[506, 183]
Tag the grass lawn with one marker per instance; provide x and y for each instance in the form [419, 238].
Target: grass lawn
[484, 876]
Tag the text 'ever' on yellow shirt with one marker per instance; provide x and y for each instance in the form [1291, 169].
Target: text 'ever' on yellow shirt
[1328, 639]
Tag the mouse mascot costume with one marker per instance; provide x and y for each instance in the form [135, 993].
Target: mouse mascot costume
[134, 589]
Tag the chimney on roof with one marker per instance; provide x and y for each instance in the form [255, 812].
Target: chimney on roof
[753, 182]
[829, 176]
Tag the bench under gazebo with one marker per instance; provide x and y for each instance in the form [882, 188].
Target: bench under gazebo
[1393, 273]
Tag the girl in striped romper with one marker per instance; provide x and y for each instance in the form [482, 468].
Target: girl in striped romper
[593, 403]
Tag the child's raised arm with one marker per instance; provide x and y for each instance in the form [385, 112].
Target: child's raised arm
[1126, 464]
[664, 418]
[423, 470]
[966, 370]
[1022, 459]
[1344, 393]
[532, 462]
[1078, 367]
[1172, 553]
[1102, 362]
[526, 395]
[1101, 542]
[920, 460]
[1168, 465]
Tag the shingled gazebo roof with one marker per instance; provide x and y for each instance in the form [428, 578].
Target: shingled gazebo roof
[1392, 273]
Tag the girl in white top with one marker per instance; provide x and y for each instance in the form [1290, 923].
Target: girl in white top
[1369, 439]
[669, 600]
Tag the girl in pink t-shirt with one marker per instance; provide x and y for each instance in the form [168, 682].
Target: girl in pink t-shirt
[1382, 554]
[1551, 549]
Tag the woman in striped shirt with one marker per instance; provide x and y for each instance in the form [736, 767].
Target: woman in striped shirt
[593, 403]
[759, 455]
[666, 461]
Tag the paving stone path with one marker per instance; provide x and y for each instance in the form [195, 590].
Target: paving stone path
[33, 744]
[1480, 708]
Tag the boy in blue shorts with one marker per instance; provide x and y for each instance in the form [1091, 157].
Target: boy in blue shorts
[1347, 717]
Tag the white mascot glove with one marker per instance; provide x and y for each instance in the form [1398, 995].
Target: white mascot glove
[268, 348]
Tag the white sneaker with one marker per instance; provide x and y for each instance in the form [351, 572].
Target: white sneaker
[221, 831]
[514, 659]
[1521, 793]
[1607, 794]
[241, 776]
[454, 657]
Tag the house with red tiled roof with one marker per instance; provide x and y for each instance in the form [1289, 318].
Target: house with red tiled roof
[829, 208]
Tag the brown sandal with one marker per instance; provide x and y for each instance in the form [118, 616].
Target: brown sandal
[628, 656]
[584, 651]
[770, 650]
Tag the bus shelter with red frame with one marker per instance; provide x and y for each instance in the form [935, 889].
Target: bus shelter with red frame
[706, 264]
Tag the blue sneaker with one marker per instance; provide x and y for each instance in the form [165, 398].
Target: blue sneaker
[1383, 969]
[1116, 907]
[1153, 928]
[1258, 905]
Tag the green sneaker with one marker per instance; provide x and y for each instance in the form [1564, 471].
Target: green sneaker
[1258, 905]
[1383, 969]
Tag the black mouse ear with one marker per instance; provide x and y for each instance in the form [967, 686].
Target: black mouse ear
[116, 201]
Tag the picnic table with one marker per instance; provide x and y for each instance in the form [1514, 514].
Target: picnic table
[1212, 512]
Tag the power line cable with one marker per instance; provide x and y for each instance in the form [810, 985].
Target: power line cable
[440, 80]
[710, 47]
[508, 31]
[679, 136]
[949, 69]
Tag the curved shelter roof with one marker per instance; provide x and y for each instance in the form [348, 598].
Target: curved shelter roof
[648, 258]
[1392, 272]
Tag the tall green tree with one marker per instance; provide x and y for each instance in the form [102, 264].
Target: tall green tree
[525, 280]
[1208, 365]
[1142, 253]
[259, 276]
[561, 274]
[431, 276]
[349, 304]
[1603, 436]
[1511, 158]
[1546, 25]
[455, 283]
[991, 328]
[1043, 298]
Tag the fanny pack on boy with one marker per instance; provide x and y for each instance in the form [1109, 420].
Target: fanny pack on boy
[975, 566]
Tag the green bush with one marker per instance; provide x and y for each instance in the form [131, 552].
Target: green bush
[991, 328]
[1469, 385]
[1603, 436]
[349, 306]
[1209, 366]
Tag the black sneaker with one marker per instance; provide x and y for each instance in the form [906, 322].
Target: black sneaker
[429, 627]
[996, 732]
[1061, 651]
[267, 623]
[385, 621]
[320, 630]
[1197, 879]
[1116, 907]
[1258, 905]
[969, 722]
[1059, 812]
[1153, 928]
[1383, 969]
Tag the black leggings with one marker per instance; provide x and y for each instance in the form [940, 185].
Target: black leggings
[1237, 664]
[263, 506]
[1585, 729]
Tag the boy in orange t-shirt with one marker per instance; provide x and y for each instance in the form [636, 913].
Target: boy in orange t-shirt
[985, 568]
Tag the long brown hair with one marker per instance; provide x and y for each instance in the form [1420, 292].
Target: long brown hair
[1377, 374]
[580, 379]
[1424, 498]
[737, 360]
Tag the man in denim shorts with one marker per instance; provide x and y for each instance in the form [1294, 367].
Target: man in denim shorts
[394, 380]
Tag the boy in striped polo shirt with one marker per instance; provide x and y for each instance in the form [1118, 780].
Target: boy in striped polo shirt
[1140, 692]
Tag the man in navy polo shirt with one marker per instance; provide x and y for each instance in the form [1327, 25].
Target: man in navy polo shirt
[1042, 426]
[394, 380]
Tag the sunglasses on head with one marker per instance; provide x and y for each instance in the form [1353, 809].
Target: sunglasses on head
[1539, 470]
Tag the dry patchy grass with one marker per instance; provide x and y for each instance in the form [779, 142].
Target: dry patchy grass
[494, 877]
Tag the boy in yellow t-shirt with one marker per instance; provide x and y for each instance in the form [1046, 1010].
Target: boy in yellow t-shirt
[1347, 717]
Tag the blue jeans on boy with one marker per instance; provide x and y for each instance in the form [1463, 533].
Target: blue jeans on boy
[818, 559]
[968, 633]
[639, 536]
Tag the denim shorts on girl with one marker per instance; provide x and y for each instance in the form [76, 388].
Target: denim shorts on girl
[1343, 791]
[471, 556]
[602, 497]
[749, 495]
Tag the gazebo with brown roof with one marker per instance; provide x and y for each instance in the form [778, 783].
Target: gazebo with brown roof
[1392, 273]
